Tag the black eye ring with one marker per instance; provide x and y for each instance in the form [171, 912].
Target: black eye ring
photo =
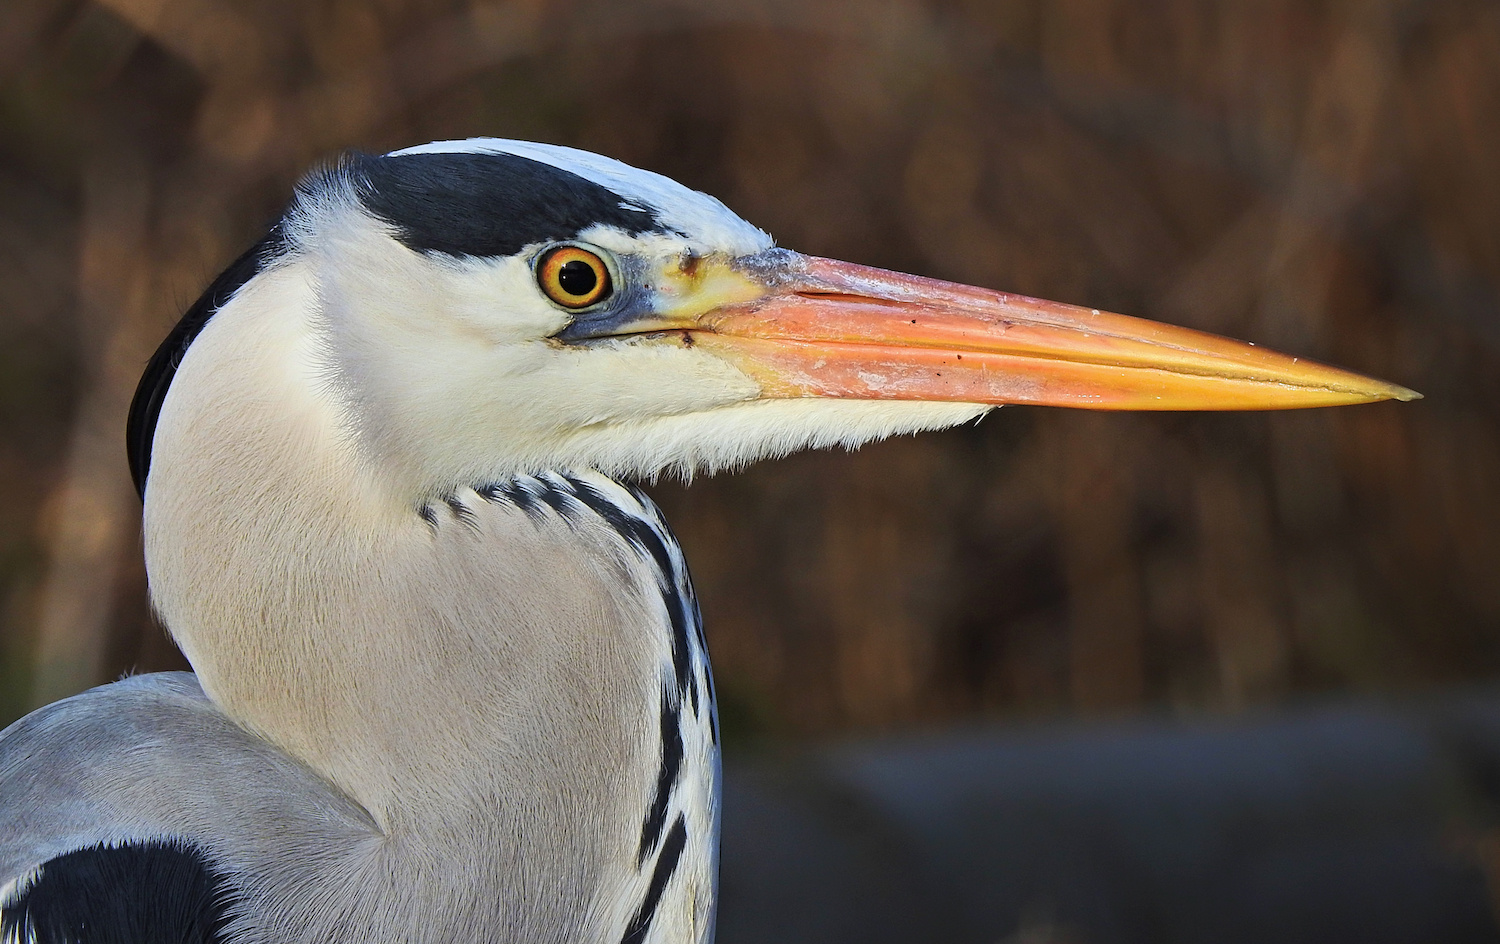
[574, 277]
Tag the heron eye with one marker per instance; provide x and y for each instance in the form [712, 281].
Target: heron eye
[573, 277]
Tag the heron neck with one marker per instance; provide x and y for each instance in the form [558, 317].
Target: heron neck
[476, 674]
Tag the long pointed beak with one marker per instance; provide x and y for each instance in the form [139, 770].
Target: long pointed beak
[823, 328]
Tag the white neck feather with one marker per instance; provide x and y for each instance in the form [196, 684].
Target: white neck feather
[488, 682]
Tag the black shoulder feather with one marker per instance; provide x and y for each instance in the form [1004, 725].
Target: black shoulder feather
[159, 892]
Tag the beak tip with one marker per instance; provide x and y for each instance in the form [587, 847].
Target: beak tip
[1397, 392]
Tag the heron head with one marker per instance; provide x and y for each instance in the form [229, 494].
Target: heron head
[487, 307]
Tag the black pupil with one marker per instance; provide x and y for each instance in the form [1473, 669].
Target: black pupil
[577, 278]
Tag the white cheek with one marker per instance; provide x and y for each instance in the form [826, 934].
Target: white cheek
[498, 299]
[397, 290]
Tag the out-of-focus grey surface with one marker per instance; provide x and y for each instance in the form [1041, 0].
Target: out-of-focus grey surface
[1327, 825]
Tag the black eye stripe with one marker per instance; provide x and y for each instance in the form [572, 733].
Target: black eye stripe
[486, 204]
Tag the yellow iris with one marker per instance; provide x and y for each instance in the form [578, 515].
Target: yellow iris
[573, 277]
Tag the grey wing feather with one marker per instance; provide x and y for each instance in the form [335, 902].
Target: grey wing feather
[151, 757]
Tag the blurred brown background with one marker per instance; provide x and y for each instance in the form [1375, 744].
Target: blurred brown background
[1323, 177]
[1316, 176]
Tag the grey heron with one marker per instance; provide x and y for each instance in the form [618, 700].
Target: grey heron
[450, 681]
